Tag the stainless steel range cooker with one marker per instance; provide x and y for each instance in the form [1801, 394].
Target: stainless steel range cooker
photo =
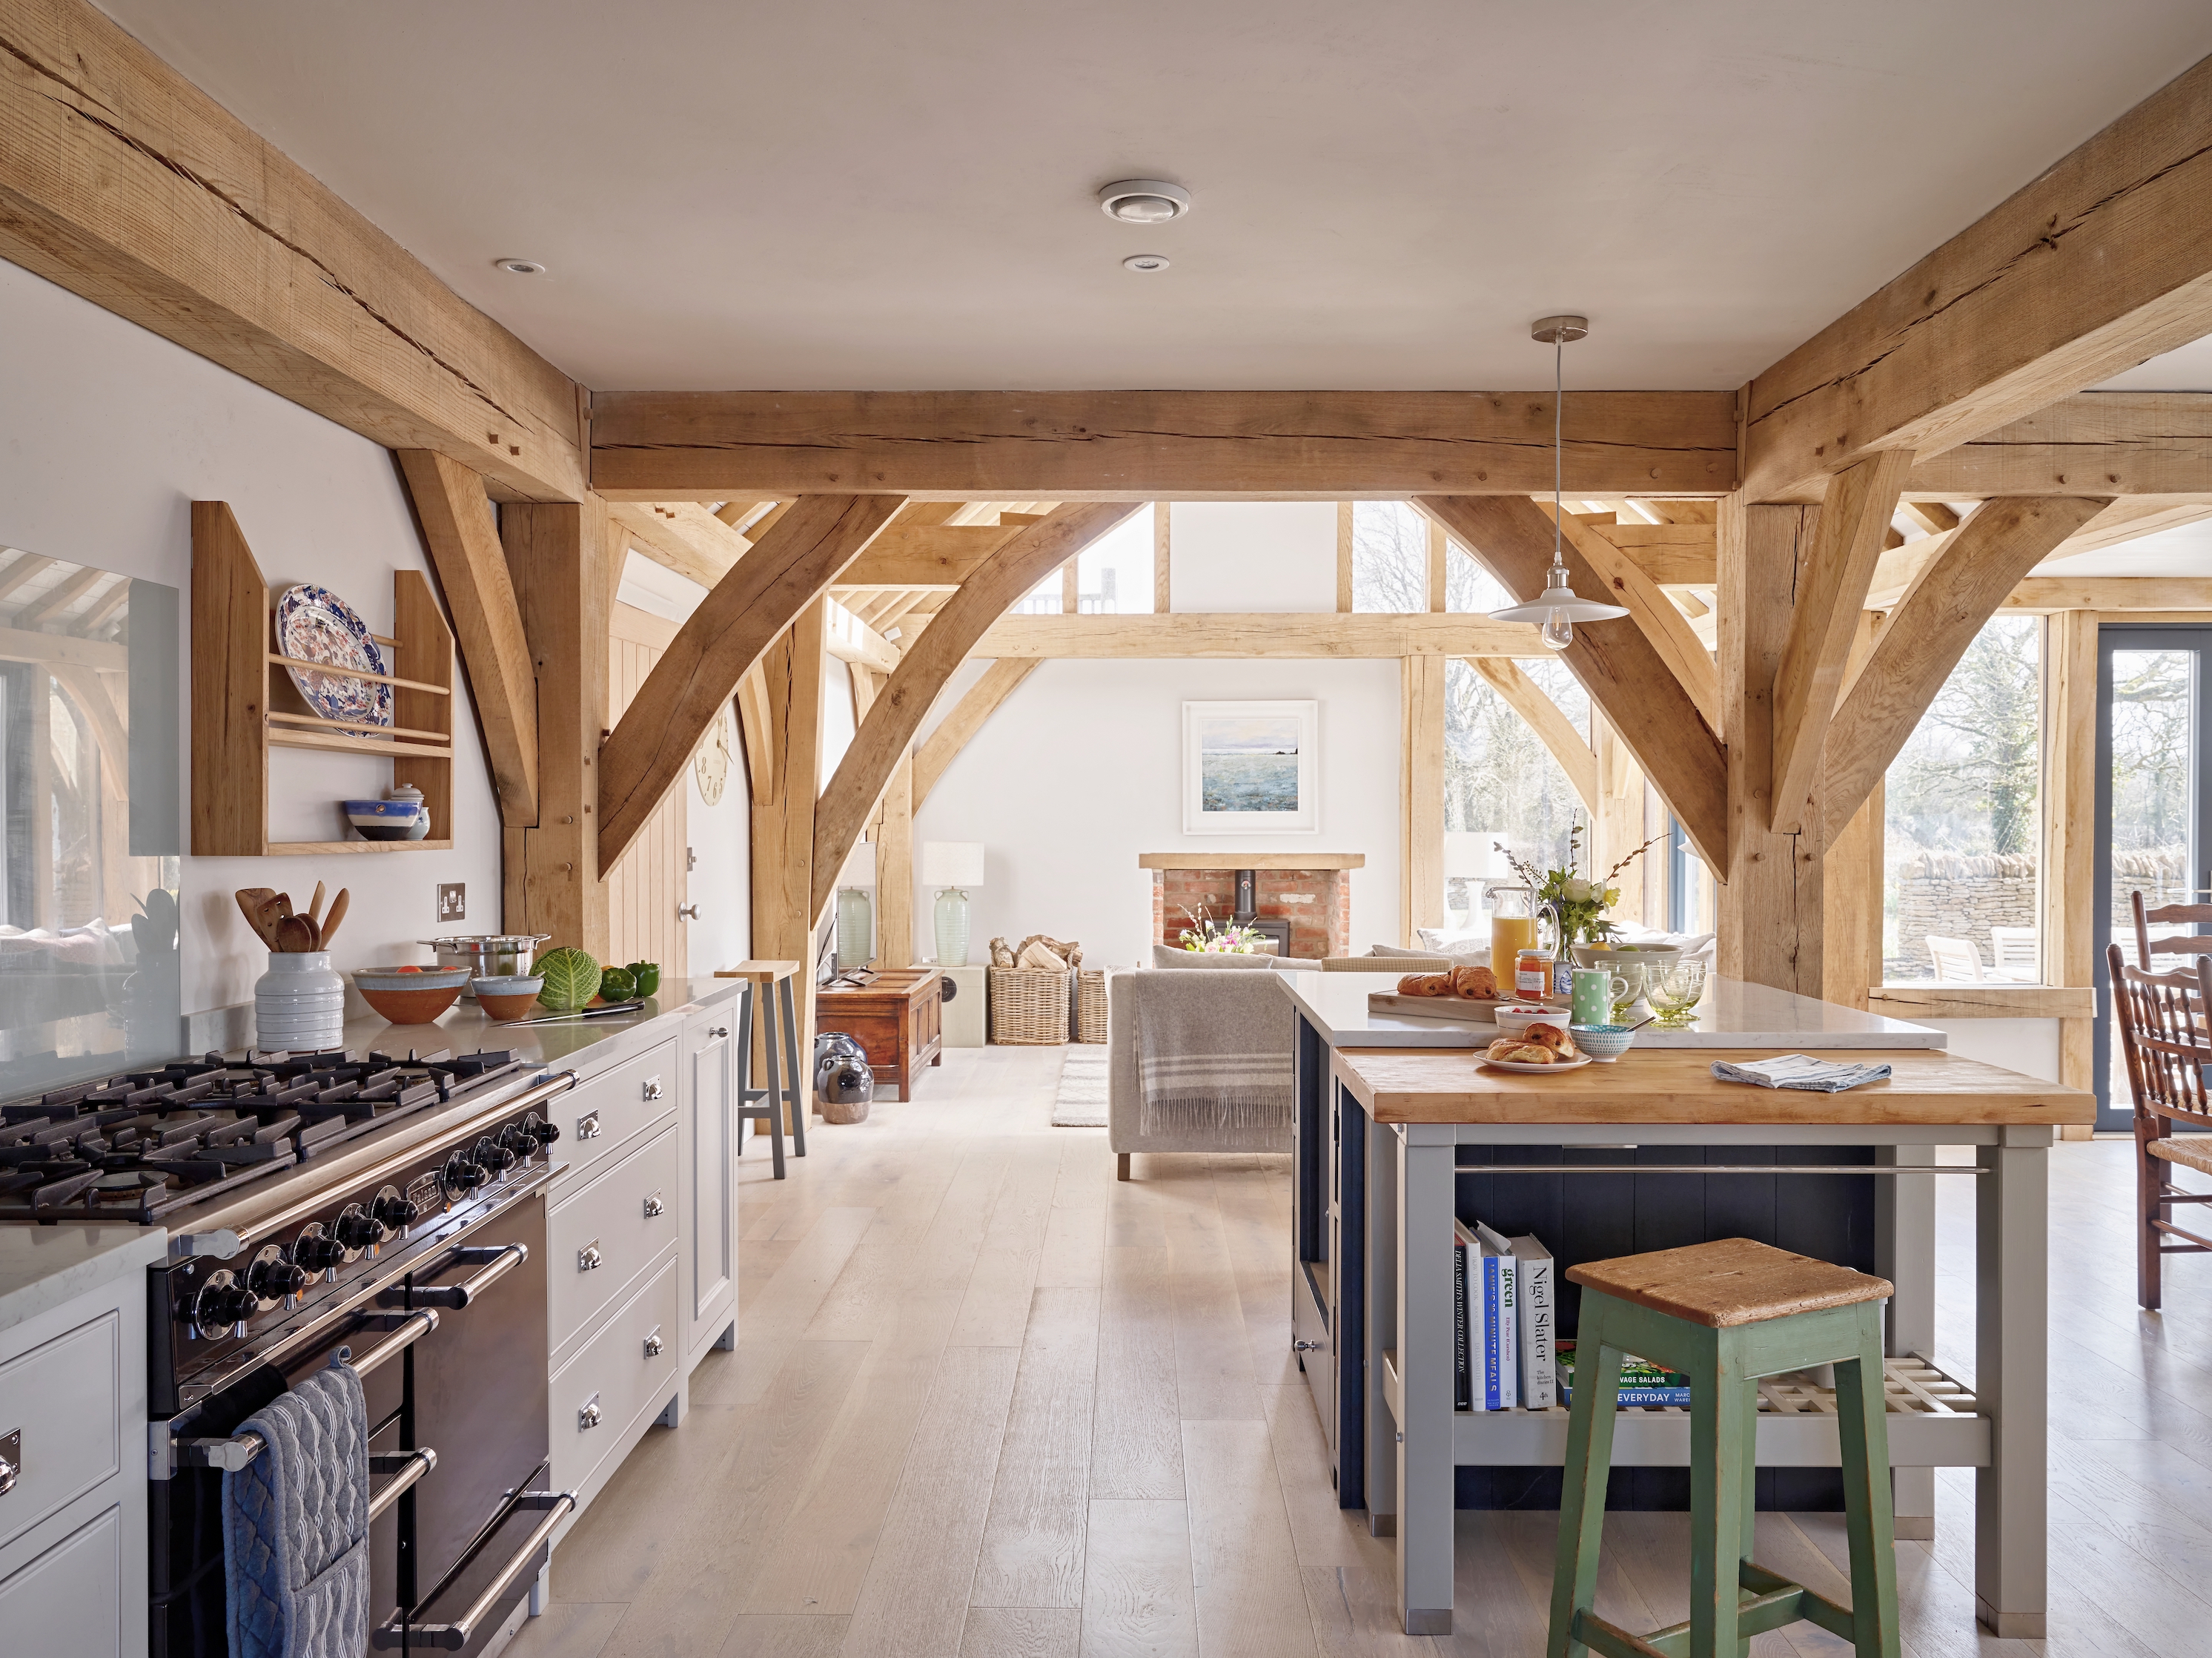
[385, 1211]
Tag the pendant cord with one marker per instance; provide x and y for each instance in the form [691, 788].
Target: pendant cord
[1558, 443]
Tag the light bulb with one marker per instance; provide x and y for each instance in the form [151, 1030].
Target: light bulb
[1557, 631]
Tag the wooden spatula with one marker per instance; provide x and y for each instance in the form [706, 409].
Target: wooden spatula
[329, 923]
[315, 907]
[295, 935]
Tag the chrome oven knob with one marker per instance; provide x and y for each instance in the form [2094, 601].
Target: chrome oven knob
[271, 1278]
[358, 1229]
[538, 1129]
[392, 1211]
[317, 1252]
[493, 1156]
[223, 1307]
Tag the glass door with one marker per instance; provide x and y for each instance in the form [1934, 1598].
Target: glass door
[2154, 805]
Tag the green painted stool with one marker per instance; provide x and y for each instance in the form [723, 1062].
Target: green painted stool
[1727, 1314]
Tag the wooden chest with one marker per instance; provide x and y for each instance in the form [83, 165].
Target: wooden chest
[897, 1020]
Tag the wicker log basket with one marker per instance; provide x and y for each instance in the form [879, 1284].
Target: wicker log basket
[1038, 992]
[1089, 1004]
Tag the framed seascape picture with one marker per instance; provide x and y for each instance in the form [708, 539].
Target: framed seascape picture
[1250, 766]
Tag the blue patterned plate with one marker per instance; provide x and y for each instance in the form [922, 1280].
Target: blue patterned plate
[314, 624]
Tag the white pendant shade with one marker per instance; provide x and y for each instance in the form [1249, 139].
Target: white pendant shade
[1558, 601]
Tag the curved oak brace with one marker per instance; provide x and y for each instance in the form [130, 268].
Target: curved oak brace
[1929, 630]
[883, 736]
[1625, 674]
[953, 733]
[455, 515]
[791, 567]
[1553, 728]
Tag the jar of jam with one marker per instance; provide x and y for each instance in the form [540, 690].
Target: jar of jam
[1532, 972]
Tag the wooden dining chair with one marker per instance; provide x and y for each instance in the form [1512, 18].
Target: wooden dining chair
[2168, 915]
[2163, 1036]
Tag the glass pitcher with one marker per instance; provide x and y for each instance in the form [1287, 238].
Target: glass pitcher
[1512, 928]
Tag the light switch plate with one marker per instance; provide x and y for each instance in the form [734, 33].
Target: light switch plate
[453, 900]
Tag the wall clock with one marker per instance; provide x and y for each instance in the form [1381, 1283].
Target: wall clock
[710, 766]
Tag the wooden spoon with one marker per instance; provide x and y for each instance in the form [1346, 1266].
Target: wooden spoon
[295, 935]
[329, 923]
[315, 908]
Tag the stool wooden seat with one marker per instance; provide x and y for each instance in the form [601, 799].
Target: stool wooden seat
[1726, 1313]
[1734, 1281]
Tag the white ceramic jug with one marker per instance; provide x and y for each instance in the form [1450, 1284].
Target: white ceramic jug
[299, 1004]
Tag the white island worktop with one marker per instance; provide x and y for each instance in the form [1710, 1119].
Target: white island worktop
[1734, 1015]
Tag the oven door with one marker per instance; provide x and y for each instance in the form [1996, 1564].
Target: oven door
[474, 1530]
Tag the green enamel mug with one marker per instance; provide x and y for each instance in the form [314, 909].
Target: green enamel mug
[1596, 991]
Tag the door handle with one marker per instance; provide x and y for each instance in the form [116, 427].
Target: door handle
[496, 1259]
[687, 913]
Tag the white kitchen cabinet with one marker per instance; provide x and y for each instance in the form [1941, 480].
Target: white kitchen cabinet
[707, 1175]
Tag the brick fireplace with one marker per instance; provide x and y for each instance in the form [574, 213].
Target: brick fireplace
[1311, 892]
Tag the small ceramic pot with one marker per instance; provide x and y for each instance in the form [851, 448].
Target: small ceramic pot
[299, 1004]
[522, 1004]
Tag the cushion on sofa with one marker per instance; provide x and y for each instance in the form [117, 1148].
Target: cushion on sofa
[1167, 955]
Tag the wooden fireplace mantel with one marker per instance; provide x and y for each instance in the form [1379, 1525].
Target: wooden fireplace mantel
[1212, 860]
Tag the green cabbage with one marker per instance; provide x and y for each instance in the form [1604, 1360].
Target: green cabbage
[572, 978]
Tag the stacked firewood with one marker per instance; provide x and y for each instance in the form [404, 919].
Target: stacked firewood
[1040, 951]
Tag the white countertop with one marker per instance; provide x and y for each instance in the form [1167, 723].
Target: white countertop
[1734, 1015]
[44, 1266]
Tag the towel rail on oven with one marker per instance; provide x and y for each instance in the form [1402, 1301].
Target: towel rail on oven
[408, 1466]
[452, 1637]
[232, 1454]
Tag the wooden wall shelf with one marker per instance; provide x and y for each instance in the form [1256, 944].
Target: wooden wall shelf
[238, 680]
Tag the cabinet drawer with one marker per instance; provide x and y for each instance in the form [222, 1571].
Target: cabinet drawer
[66, 1398]
[608, 1110]
[68, 1602]
[598, 1240]
[617, 1372]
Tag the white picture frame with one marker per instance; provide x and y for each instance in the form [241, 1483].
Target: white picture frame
[1236, 778]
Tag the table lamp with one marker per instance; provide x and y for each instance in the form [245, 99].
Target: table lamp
[950, 866]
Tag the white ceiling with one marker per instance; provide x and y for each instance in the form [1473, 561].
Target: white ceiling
[839, 194]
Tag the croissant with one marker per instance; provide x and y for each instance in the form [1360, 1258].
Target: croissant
[1513, 1051]
[1425, 984]
[1476, 983]
[1551, 1036]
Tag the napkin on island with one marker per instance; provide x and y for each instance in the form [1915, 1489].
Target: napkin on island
[1801, 1070]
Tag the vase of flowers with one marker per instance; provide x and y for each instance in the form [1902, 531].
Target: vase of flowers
[1208, 935]
[1577, 902]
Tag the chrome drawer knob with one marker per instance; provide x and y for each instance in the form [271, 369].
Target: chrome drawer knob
[11, 1455]
[718, 1030]
[652, 1345]
[589, 1257]
[588, 1418]
[654, 1206]
[1305, 1347]
[653, 1087]
[588, 1126]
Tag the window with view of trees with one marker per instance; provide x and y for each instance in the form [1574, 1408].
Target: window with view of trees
[1389, 556]
[1962, 827]
[1500, 782]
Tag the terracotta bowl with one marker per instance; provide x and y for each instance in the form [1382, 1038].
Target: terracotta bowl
[417, 1005]
[500, 1009]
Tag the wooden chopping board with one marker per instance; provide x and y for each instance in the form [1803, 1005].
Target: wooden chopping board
[1451, 1007]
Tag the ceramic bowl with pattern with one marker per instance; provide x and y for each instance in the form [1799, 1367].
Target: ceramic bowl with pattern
[388, 820]
[1603, 1043]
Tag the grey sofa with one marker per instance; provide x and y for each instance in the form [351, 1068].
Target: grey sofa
[1125, 1099]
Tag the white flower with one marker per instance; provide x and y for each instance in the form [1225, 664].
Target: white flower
[1578, 890]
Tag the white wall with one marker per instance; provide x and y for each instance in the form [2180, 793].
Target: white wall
[1252, 556]
[1080, 770]
[2029, 1046]
[107, 435]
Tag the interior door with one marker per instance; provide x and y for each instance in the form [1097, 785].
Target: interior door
[2153, 804]
[646, 887]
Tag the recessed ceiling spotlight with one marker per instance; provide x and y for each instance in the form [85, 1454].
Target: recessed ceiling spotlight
[1144, 201]
[1144, 262]
[520, 267]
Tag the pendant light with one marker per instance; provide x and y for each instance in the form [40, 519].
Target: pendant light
[1556, 609]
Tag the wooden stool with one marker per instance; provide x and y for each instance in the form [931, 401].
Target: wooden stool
[1727, 1314]
[768, 987]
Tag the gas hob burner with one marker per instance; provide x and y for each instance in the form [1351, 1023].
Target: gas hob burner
[139, 1143]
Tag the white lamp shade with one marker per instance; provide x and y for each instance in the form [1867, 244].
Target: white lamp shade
[859, 867]
[952, 863]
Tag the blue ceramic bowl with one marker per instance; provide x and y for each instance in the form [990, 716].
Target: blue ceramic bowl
[1605, 1043]
[396, 810]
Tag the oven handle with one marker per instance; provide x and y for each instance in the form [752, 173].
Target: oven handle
[223, 1244]
[234, 1453]
[410, 1467]
[452, 1637]
[496, 1259]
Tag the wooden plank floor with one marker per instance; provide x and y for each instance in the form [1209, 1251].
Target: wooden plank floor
[988, 1402]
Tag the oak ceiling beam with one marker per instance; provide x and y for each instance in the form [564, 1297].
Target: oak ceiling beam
[1625, 674]
[2054, 593]
[124, 183]
[920, 558]
[2105, 260]
[747, 610]
[1831, 590]
[851, 640]
[2120, 443]
[1929, 630]
[1552, 727]
[681, 536]
[1143, 446]
[456, 518]
[969, 715]
[886, 735]
[1260, 635]
[58, 598]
